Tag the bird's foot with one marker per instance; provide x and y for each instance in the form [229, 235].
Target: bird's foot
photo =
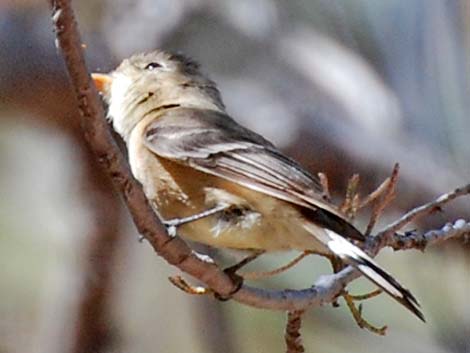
[237, 280]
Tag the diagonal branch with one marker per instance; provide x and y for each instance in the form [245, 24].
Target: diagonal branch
[420, 211]
[388, 195]
[97, 134]
[413, 240]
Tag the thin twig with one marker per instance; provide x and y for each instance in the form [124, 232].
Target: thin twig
[357, 315]
[384, 194]
[414, 240]
[375, 194]
[357, 311]
[325, 186]
[348, 207]
[388, 196]
[292, 335]
[366, 296]
[420, 211]
[258, 275]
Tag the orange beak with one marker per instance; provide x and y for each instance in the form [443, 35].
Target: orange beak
[102, 81]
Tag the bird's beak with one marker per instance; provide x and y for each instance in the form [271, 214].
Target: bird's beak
[102, 82]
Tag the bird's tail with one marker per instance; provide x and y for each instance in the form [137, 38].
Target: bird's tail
[357, 258]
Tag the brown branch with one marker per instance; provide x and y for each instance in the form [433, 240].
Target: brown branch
[366, 296]
[175, 250]
[350, 203]
[374, 195]
[388, 196]
[292, 335]
[325, 186]
[97, 134]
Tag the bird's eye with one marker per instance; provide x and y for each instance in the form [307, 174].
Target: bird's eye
[152, 65]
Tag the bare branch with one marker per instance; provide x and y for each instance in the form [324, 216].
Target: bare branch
[375, 194]
[292, 335]
[325, 186]
[388, 196]
[350, 203]
[357, 314]
[420, 211]
[413, 240]
[97, 134]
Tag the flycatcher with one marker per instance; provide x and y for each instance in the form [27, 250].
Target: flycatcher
[216, 181]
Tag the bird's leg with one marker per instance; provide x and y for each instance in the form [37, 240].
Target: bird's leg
[172, 224]
[179, 282]
[182, 284]
[237, 279]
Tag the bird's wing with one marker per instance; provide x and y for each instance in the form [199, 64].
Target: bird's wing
[214, 143]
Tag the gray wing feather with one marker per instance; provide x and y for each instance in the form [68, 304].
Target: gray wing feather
[214, 143]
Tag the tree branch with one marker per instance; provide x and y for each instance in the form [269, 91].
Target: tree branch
[97, 134]
[175, 250]
[422, 210]
[292, 334]
[413, 240]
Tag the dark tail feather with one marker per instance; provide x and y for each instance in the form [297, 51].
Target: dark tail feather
[357, 258]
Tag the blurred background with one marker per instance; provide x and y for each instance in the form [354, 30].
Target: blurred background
[343, 86]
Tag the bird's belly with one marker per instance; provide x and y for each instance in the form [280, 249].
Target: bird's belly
[254, 221]
[262, 233]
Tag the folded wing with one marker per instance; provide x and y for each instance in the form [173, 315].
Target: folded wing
[214, 143]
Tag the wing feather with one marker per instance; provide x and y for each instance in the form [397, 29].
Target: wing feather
[214, 143]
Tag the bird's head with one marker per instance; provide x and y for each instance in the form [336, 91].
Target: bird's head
[150, 81]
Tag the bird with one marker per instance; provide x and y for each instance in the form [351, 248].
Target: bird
[215, 181]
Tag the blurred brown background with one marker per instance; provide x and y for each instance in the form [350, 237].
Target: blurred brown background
[343, 86]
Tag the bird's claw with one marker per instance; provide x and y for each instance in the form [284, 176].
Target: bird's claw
[236, 279]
